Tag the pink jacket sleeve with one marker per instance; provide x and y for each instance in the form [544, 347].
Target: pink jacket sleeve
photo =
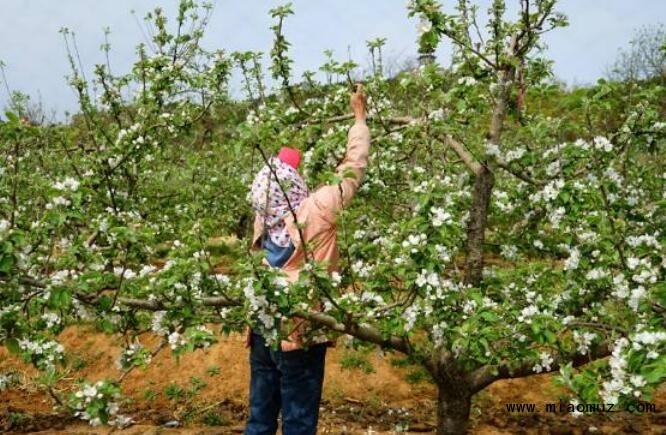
[330, 198]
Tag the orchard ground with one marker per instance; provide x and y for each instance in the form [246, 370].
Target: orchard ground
[363, 391]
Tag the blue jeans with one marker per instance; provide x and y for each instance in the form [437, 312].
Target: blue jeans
[290, 382]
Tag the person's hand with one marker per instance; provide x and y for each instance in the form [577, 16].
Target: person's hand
[290, 346]
[357, 102]
[293, 342]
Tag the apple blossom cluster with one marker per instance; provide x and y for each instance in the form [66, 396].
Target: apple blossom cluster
[651, 341]
[368, 303]
[361, 269]
[134, 355]
[584, 341]
[199, 337]
[67, 184]
[7, 380]
[440, 217]
[603, 144]
[58, 201]
[4, 225]
[549, 193]
[97, 404]
[51, 319]
[618, 384]
[262, 310]
[510, 252]
[157, 323]
[545, 361]
[42, 352]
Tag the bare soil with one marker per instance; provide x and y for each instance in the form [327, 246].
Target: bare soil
[373, 398]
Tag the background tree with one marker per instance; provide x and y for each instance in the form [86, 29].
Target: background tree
[645, 57]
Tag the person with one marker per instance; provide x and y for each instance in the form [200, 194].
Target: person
[289, 380]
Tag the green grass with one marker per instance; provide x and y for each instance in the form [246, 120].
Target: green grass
[150, 394]
[213, 370]
[17, 418]
[196, 384]
[78, 362]
[417, 375]
[355, 360]
[212, 418]
[174, 392]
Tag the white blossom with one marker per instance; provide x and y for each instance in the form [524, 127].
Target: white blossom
[157, 325]
[176, 340]
[51, 319]
[436, 115]
[467, 81]
[493, 150]
[514, 154]
[509, 252]
[602, 143]
[424, 26]
[544, 364]
[571, 263]
[336, 278]
[440, 217]
[584, 340]
[67, 184]
[635, 297]
[596, 274]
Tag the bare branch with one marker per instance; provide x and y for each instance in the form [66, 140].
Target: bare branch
[518, 174]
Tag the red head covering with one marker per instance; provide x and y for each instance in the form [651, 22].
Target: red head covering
[290, 156]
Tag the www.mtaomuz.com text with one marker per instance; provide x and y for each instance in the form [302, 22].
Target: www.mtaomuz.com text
[580, 407]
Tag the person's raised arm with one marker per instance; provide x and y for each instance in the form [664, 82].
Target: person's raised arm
[330, 198]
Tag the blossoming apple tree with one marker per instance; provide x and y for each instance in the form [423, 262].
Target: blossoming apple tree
[505, 227]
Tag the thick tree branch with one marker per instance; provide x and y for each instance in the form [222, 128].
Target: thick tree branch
[364, 332]
[470, 161]
[486, 375]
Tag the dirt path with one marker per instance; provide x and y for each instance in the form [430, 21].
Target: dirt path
[363, 393]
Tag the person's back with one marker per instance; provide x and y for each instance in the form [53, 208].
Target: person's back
[291, 223]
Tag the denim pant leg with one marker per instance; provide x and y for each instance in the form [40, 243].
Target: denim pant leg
[302, 378]
[265, 398]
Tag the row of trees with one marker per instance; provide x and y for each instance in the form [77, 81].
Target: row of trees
[505, 227]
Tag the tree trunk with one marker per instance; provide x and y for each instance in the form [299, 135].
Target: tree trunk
[455, 398]
[453, 407]
[476, 227]
[483, 187]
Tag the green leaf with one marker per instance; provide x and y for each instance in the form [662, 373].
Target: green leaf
[536, 329]
[489, 316]
[656, 371]
[60, 298]
[104, 302]
[11, 116]
[106, 326]
[550, 336]
[12, 345]
[6, 263]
